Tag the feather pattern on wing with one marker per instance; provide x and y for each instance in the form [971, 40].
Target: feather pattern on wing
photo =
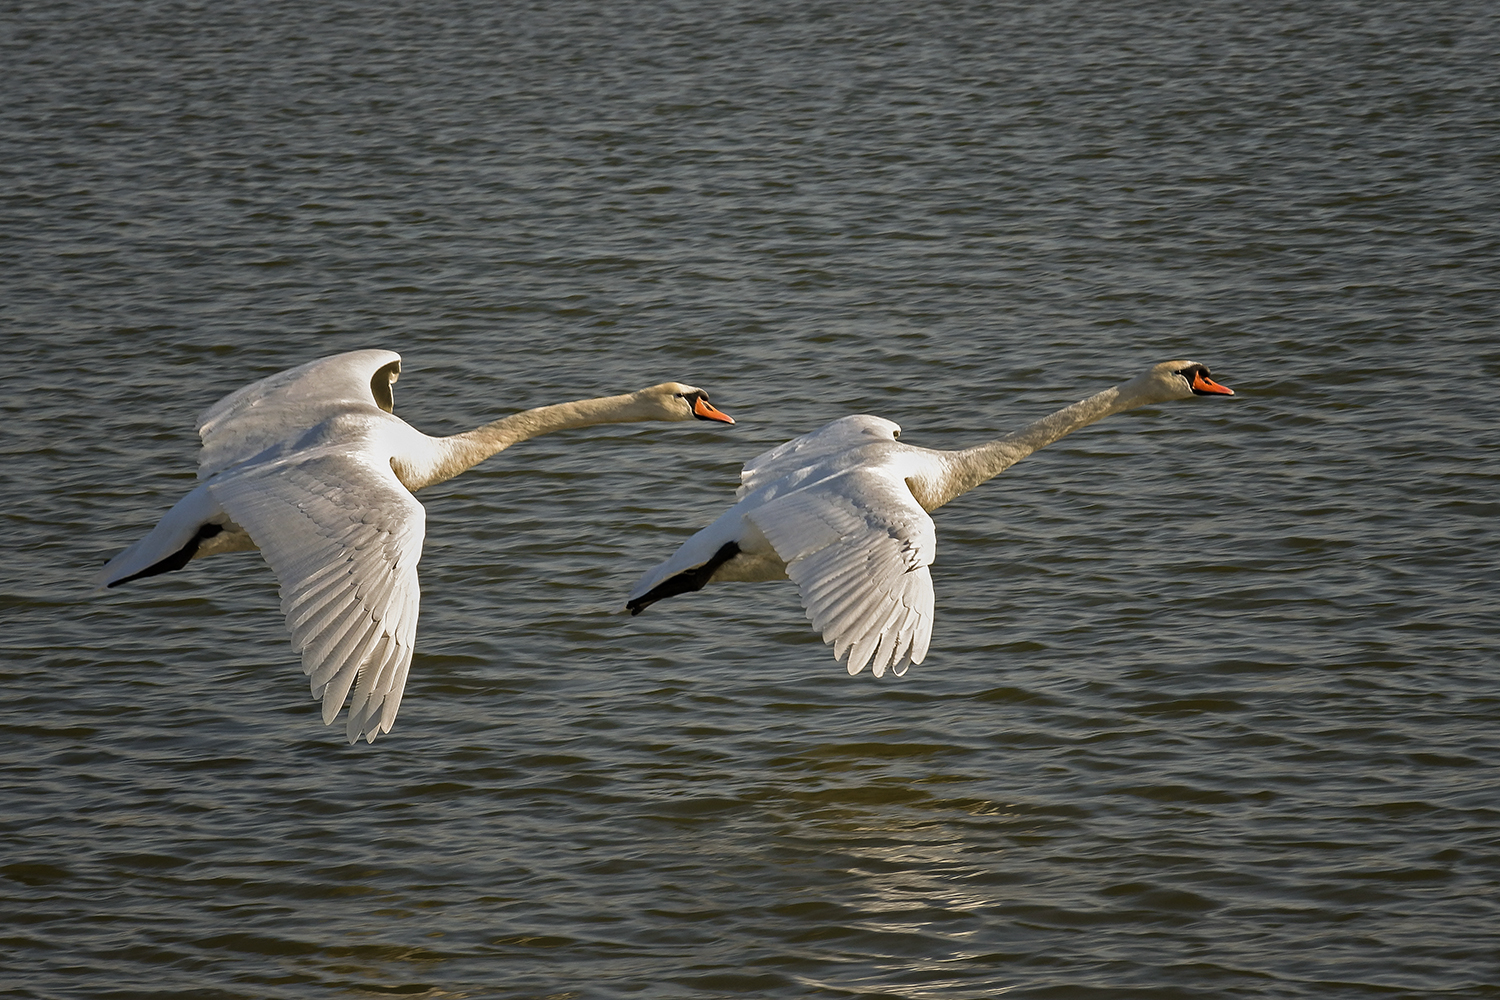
[821, 452]
[280, 407]
[842, 511]
[312, 467]
[343, 537]
[858, 546]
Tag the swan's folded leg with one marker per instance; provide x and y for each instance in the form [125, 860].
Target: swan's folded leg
[685, 582]
[170, 545]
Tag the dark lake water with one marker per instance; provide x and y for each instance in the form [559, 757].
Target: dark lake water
[1212, 704]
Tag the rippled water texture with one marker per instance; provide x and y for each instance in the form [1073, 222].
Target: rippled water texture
[1212, 704]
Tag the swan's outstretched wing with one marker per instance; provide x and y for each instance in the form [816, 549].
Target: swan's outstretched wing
[858, 546]
[814, 453]
[280, 407]
[343, 537]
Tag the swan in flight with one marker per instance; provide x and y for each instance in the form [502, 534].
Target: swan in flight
[312, 467]
[843, 512]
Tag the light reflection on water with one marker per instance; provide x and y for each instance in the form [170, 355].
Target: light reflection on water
[1210, 704]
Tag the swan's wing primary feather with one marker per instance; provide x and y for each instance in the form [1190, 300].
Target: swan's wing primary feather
[343, 537]
[282, 406]
[858, 546]
[814, 451]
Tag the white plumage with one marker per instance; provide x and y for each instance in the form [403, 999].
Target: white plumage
[843, 513]
[312, 467]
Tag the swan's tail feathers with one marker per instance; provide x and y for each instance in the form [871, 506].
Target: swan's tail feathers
[683, 583]
[170, 545]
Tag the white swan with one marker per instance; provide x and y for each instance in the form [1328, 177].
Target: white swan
[312, 467]
[843, 512]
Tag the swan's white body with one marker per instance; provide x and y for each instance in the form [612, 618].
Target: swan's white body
[312, 467]
[843, 512]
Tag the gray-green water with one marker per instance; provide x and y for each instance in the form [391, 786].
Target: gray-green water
[1212, 703]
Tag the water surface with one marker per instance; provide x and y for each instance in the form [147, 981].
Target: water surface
[1211, 706]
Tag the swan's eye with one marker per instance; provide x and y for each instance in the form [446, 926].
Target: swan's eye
[895, 433]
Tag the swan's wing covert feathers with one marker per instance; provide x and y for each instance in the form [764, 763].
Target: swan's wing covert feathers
[807, 455]
[343, 537]
[858, 546]
[283, 406]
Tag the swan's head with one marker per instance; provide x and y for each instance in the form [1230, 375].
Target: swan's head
[676, 401]
[1176, 380]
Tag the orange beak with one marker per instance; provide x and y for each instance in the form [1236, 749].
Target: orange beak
[1202, 383]
[704, 410]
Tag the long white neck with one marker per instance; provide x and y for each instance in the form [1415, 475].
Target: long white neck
[966, 469]
[459, 452]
